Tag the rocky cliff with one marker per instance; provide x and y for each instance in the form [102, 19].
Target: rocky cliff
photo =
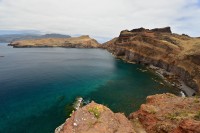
[167, 113]
[179, 54]
[73, 42]
[96, 118]
[163, 113]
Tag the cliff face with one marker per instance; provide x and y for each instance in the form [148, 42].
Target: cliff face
[179, 54]
[73, 42]
[163, 113]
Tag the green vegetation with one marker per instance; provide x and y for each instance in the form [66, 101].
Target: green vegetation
[151, 109]
[197, 116]
[196, 100]
[178, 115]
[173, 116]
[96, 111]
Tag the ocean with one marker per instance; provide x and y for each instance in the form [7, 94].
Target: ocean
[39, 85]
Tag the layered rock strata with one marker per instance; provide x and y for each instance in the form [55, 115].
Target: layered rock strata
[179, 54]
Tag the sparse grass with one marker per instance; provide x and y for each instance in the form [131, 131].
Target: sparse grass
[196, 100]
[151, 109]
[178, 115]
[96, 111]
[172, 116]
[197, 116]
[164, 128]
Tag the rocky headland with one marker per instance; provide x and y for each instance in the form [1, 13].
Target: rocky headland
[177, 54]
[175, 57]
[163, 113]
[73, 42]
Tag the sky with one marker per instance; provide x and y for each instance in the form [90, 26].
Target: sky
[101, 19]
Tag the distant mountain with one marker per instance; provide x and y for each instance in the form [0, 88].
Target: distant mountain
[15, 37]
[10, 32]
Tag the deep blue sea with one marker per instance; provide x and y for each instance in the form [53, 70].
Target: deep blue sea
[39, 85]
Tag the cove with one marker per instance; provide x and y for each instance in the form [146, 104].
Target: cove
[38, 85]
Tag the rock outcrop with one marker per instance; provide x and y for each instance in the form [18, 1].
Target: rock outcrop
[167, 113]
[162, 113]
[96, 118]
[73, 42]
[179, 54]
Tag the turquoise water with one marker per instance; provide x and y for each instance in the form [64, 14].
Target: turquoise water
[38, 85]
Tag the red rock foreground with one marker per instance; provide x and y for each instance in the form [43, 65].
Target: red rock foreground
[163, 113]
[96, 118]
[167, 113]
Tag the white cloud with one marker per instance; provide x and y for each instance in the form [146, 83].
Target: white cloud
[103, 18]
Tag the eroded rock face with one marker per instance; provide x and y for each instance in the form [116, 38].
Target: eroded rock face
[175, 53]
[162, 113]
[73, 42]
[188, 126]
[96, 118]
[167, 113]
[163, 30]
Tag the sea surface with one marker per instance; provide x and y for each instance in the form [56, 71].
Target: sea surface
[39, 85]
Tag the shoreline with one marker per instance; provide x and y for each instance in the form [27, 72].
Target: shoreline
[173, 80]
[162, 73]
[168, 77]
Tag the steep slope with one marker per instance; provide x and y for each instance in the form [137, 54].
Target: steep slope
[73, 42]
[179, 54]
[162, 113]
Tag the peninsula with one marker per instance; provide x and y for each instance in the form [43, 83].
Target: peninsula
[179, 58]
[178, 54]
[72, 42]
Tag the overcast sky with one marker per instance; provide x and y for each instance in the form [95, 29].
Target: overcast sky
[99, 18]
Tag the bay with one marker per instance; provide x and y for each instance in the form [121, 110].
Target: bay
[39, 85]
